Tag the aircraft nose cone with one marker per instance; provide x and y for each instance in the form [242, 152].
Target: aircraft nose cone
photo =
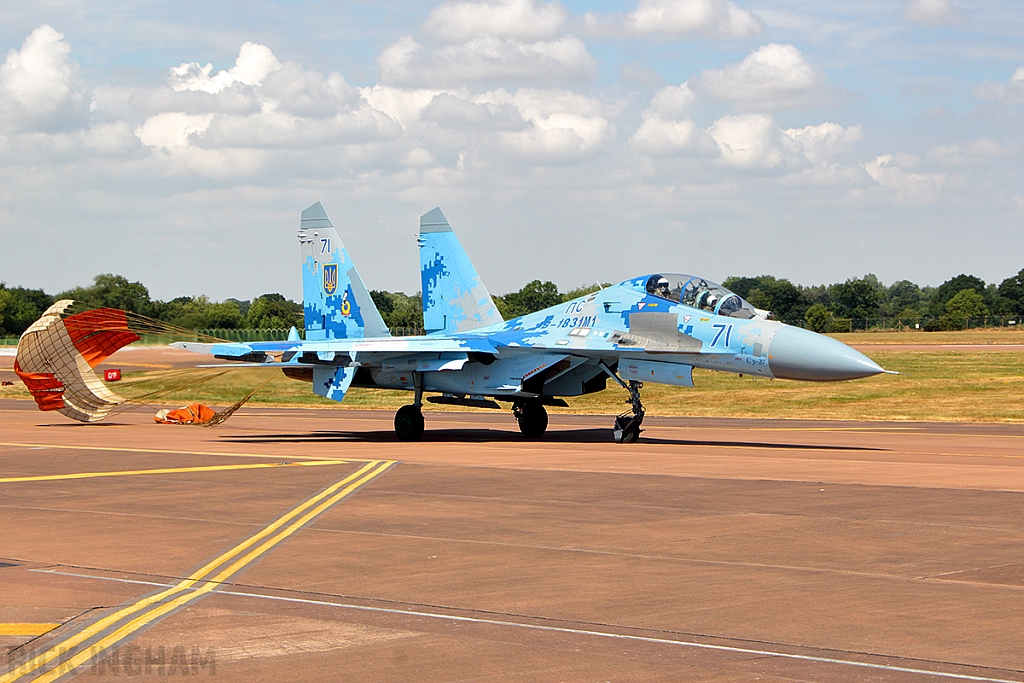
[796, 353]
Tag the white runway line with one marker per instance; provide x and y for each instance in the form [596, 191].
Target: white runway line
[574, 631]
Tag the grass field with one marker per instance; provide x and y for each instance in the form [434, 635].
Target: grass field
[939, 385]
[992, 335]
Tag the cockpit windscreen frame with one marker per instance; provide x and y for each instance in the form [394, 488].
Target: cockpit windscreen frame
[696, 292]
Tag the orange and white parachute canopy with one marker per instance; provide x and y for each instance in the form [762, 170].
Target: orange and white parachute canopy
[57, 354]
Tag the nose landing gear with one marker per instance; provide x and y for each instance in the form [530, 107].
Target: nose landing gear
[627, 425]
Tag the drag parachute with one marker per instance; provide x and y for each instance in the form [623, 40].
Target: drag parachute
[57, 354]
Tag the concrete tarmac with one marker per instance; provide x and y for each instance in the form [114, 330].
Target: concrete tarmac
[306, 544]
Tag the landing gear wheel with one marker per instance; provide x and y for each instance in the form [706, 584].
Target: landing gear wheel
[409, 423]
[627, 428]
[627, 425]
[532, 418]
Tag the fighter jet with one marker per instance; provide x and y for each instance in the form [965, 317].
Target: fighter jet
[655, 327]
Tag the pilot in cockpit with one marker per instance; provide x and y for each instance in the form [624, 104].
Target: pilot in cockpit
[706, 298]
[658, 286]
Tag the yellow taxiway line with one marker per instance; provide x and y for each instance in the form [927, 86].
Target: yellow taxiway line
[169, 470]
[26, 629]
[155, 606]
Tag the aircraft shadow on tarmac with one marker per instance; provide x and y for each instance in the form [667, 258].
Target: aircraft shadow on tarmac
[83, 425]
[593, 435]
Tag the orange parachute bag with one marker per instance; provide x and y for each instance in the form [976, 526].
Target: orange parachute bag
[195, 414]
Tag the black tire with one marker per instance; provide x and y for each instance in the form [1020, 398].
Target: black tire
[409, 423]
[627, 429]
[532, 418]
[631, 434]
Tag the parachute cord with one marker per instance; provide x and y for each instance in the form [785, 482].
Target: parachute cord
[143, 324]
[223, 415]
[154, 396]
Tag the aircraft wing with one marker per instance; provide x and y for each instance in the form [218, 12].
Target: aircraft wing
[327, 349]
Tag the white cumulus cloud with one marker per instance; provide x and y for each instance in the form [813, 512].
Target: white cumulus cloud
[666, 129]
[486, 59]
[455, 113]
[533, 125]
[671, 101]
[658, 136]
[748, 141]
[219, 123]
[932, 12]
[755, 141]
[563, 124]
[39, 86]
[254, 63]
[823, 142]
[523, 20]
[722, 18]
[976, 153]
[172, 130]
[773, 76]
[893, 174]
[1011, 91]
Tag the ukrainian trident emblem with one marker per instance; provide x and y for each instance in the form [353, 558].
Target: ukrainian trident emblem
[330, 278]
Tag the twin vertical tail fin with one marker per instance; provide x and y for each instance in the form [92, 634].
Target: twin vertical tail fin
[454, 298]
[336, 303]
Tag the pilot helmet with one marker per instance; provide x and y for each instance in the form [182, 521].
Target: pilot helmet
[663, 285]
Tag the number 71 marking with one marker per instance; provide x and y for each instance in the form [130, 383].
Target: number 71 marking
[727, 329]
[325, 245]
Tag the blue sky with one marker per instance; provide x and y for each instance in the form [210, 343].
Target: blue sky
[566, 141]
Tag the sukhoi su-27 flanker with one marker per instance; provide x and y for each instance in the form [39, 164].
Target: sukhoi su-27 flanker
[651, 328]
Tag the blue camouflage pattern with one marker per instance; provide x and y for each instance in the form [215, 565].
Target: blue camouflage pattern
[454, 298]
[651, 328]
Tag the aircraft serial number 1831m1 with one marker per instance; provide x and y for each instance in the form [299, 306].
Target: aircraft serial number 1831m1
[652, 328]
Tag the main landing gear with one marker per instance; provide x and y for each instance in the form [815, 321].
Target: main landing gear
[532, 418]
[627, 425]
[409, 419]
[409, 423]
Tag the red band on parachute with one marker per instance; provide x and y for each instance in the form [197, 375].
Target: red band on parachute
[45, 388]
[99, 333]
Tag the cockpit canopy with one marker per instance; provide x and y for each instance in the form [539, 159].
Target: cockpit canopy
[697, 292]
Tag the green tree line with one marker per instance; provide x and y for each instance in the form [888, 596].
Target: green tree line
[831, 307]
[820, 307]
[20, 307]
